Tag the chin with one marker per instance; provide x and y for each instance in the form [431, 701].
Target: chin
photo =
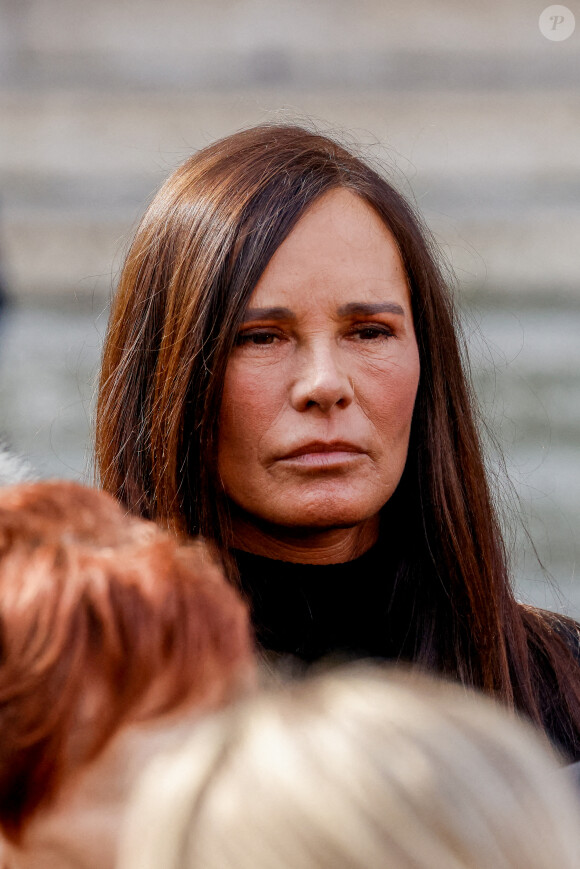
[326, 513]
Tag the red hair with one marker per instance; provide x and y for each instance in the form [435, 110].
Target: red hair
[104, 619]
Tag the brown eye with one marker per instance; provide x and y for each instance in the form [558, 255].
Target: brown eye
[370, 333]
[258, 339]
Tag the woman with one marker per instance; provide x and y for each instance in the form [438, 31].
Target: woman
[114, 640]
[360, 769]
[282, 375]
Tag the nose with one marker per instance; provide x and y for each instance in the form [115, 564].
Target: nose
[322, 380]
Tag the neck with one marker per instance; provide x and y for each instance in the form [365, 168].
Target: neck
[306, 546]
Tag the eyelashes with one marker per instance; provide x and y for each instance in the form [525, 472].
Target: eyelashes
[374, 332]
[267, 337]
[258, 339]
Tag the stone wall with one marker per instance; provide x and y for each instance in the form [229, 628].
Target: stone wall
[472, 105]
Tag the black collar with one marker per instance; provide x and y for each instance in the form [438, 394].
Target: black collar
[311, 610]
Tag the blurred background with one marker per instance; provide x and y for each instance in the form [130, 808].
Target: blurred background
[471, 110]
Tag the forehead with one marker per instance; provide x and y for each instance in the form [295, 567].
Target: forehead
[341, 248]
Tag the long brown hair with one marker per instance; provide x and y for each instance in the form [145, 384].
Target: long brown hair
[197, 256]
[104, 620]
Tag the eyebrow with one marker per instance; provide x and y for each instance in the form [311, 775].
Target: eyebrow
[356, 309]
[364, 309]
[268, 314]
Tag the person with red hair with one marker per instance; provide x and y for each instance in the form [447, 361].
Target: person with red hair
[114, 638]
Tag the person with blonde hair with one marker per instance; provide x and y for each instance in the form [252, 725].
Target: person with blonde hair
[114, 639]
[364, 768]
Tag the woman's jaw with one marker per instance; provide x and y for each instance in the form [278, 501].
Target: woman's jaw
[303, 545]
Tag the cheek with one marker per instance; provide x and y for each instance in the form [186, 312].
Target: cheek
[390, 396]
[250, 403]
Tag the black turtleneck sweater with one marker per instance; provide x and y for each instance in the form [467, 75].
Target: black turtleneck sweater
[341, 611]
[315, 610]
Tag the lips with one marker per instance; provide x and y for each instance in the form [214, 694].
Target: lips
[322, 447]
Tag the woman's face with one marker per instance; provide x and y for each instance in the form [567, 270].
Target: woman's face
[320, 388]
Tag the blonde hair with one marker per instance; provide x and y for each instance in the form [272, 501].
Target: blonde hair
[358, 768]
